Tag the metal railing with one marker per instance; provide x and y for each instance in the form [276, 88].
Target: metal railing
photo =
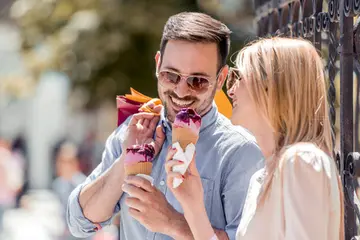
[329, 25]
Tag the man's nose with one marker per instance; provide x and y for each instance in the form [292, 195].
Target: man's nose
[182, 89]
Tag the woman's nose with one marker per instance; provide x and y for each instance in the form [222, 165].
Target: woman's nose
[230, 92]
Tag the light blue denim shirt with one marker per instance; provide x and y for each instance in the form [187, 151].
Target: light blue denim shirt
[226, 157]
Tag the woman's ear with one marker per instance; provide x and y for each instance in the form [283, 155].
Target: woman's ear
[222, 77]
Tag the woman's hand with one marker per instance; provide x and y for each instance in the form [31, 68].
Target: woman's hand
[190, 193]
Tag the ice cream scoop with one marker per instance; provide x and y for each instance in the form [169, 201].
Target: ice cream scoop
[186, 127]
[138, 159]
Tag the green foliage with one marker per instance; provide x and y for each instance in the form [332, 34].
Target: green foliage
[104, 46]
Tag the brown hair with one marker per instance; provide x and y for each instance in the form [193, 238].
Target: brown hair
[197, 27]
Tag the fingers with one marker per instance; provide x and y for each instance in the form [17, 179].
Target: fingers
[133, 191]
[171, 176]
[135, 203]
[150, 104]
[170, 164]
[153, 107]
[140, 116]
[192, 169]
[171, 154]
[157, 109]
[159, 139]
[140, 183]
[135, 214]
[146, 123]
[153, 123]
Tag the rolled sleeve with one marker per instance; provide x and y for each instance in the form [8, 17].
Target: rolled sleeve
[244, 163]
[78, 224]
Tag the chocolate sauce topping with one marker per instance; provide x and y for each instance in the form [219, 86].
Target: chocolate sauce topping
[146, 150]
[185, 114]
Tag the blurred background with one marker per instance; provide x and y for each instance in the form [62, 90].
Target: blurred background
[62, 63]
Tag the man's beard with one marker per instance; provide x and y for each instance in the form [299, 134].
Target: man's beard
[202, 111]
[170, 94]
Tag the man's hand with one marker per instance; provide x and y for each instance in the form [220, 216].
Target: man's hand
[141, 130]
[150, 207]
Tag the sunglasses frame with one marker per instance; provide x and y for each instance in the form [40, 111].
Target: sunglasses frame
[233, 76]
[186, 76]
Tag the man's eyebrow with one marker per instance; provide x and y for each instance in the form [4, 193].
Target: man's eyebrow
[193, 74]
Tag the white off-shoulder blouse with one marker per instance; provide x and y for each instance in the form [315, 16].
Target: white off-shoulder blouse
[303, 201]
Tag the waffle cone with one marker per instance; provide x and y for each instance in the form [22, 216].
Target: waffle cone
[184, 136]
[139, 168]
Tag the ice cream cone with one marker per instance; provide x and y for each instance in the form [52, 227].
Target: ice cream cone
[138, 168]
[138, 159]
[184, 136]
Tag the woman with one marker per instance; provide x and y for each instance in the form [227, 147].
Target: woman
[279, 94]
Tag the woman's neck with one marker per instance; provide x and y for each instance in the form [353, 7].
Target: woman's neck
[266, 141]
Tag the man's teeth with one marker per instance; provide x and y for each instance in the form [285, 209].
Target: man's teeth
[181, 103]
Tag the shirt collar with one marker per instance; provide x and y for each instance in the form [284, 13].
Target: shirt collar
[206, 120]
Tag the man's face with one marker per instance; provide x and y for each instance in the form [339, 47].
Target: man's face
[188, 58]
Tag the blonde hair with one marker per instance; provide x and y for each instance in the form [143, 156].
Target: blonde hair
[285, 78]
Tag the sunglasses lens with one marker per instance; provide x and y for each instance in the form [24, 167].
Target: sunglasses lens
[198, 83]
[230, 81]
[170, 77]
[233, 76]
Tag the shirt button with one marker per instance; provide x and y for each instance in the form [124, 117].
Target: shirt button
[162, 183]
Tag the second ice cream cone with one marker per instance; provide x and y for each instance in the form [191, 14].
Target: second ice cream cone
[184, 136]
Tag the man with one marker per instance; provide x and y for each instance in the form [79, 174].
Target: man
[190, 67]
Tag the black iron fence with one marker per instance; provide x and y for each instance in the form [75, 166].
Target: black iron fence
[332, 26]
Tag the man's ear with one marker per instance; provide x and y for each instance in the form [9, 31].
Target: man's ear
[157, 61]
[222, 77]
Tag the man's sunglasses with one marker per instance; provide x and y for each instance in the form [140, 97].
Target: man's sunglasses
[199, 84]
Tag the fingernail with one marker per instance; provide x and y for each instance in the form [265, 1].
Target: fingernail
[173, 149]
[180, 161]
[183, 177]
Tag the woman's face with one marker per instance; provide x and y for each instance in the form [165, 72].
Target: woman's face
[244, 111]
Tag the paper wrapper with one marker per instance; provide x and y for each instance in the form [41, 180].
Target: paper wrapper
[185, 156]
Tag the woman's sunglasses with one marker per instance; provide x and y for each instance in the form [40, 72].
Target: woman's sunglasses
[233, 76]
[199, 84]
